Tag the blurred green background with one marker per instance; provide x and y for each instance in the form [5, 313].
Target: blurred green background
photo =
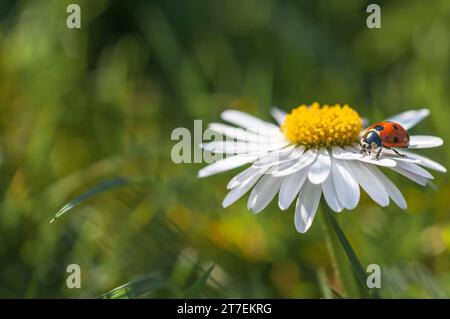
[79, 107]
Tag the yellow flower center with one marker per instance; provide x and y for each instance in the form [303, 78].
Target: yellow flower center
[315, 126]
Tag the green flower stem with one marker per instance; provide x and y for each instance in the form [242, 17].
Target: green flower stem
[345, 283]
[353, 288]
[331, 252]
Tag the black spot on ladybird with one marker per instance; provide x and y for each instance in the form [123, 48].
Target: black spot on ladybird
[395, 139]
[395, 127]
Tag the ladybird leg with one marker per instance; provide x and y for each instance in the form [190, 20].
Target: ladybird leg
[398, 153]
[379, 152]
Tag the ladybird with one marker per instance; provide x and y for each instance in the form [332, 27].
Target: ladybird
[386, 134]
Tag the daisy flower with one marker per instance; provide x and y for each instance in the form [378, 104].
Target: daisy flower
[314, 151]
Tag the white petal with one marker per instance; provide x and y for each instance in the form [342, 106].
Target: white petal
[319, 171]
[307, 203]
[250, 122]
[290, 187]
[414, 177]
[239, 134]
[329, 193]
[424, 161]
[225, 164]
[416, 169]
[382, 161]
[346, 187]
[278, 115]
[263, 193]
[370, 183]
[240, 190]
[424, 141]
[350, 153]
[295, 165]
[390, 154]
[233, 147]
[410, 118]
[243, 176]
[365, 121]
[390, 187]
[277, 157]
[278, 171]
[397, 158]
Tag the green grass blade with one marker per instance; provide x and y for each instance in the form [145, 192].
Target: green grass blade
[357, 267]
[99, 188]
[194, 290]
[136, 288]
[325, 289]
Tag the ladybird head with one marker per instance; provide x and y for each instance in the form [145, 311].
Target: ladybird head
[370, 141]
[365, 147]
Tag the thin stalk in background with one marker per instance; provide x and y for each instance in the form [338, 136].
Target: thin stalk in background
[351, 287]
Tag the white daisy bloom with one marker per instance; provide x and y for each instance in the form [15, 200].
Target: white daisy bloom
[312, 151]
